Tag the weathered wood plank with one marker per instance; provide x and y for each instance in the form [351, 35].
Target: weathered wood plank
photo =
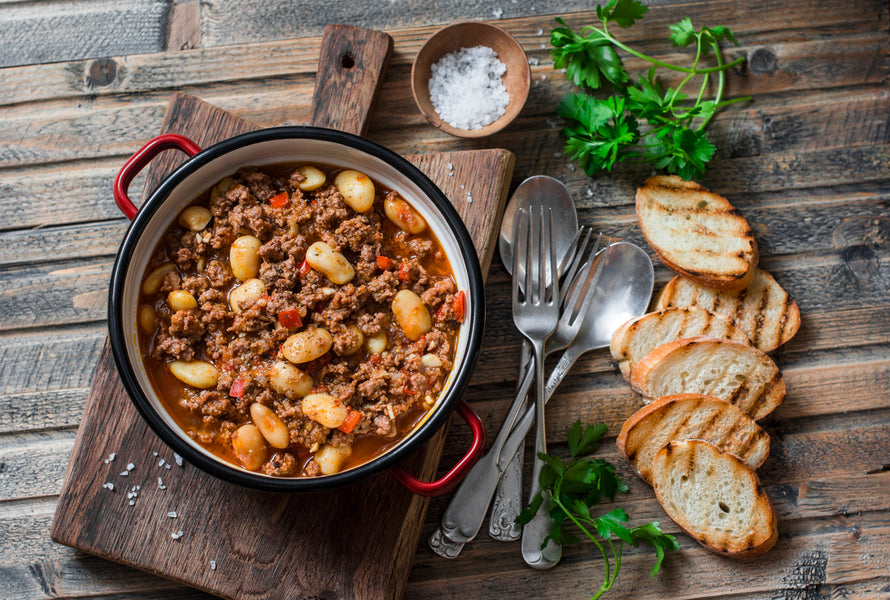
[35, 411]
[53, 360]
[34, 463]
[260, 21]
[809, 61]
[59, 31]
[816, 224]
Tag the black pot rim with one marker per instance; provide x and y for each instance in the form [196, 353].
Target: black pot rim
[218, 468]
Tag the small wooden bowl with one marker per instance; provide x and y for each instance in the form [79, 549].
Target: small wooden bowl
[467, 35]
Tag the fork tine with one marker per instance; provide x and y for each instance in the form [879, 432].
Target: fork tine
[551, 249]
[579, 288]
[581, 304]
[518, 251]
[572, 271]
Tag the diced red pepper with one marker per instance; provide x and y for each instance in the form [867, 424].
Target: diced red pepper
[237, 389]
[383, 262]
[278, 200]
[460, 306]
[290, 318]
[404, 272]
[304, 269]
[352, 419]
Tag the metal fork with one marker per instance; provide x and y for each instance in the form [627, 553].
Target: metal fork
[507, 502]
[536, 315]
[465, 512]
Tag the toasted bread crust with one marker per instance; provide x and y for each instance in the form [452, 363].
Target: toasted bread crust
[690, 479]
[696, 233]
[691, 416]
[637, 337]
[748, 377]
[763, 309]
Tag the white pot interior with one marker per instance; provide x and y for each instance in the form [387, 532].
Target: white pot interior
[271, 152]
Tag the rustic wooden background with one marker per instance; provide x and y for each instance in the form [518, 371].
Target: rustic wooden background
[84, 83]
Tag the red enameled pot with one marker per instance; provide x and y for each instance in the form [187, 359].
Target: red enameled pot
[276, 146]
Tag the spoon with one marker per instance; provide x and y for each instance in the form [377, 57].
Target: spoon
[465, 513]
[623, 292]
[506, 505]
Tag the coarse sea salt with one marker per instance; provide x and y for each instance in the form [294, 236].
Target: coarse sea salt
[466, 88]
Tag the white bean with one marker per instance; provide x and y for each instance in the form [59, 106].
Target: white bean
[270, 425]
[329, 263]
[403, 214]
[430, 361]
[357, 338]
[244, 257]
[357, 190]
[249, 446]
[376, 343]
[148, 319]
[153, 281]
[222, 187]
[197, 373]
[289, 380]
[330, 459]
[249, 291]
[307, 345]
[313, 178]
[411, 315]
[181, 300]
[195, 218]
[325, 409]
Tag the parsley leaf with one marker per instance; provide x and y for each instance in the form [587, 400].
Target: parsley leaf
[575, 487]
[641, 121]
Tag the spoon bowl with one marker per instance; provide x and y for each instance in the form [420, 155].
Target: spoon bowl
[565, 217]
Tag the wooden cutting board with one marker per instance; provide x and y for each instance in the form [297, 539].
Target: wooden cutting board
[179, 522]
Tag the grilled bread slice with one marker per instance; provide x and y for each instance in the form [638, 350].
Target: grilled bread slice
[697, 233]
[637, 337]
[715, 497]
[763, 309]
[728, 370]
[691, 417]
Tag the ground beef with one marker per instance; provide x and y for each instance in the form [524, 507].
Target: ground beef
[244, 346]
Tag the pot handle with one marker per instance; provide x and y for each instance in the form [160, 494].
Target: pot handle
[140, 160]
[459, 471]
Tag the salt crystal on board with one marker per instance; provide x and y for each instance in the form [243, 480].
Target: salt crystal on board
[533, 61]
[213, 565]
[161, 463]
[130, 466]
[108, 486]
[176, 535]
[172, 514]
[498, 13]
[178, 459]
[539, 32]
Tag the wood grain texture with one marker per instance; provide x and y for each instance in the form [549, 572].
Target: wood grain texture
[360, 554]
[81, 29]
[806, 162]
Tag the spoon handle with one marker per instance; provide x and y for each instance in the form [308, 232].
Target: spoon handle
[507, 503]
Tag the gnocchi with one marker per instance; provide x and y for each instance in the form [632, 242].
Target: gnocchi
[307, 345]
[289, 380]
[270, 425]
[195, 218]
[248, 292]
[249, 446]
[357, 190]
[330, 459]
[325, 410]
[313, 178]
[411, 315]
[244, 257]
[329, 263]
[403, 214]
[196, 373]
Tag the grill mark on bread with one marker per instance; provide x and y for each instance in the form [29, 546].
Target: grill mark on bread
[761, 308]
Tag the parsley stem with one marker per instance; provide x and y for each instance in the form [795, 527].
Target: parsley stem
[720, 82]
[672, 67]
[610, 577]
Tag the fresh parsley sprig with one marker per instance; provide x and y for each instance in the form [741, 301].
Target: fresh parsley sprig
[576, 486]
[603, 132]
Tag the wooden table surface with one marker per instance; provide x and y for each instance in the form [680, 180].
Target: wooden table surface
[84, 83]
